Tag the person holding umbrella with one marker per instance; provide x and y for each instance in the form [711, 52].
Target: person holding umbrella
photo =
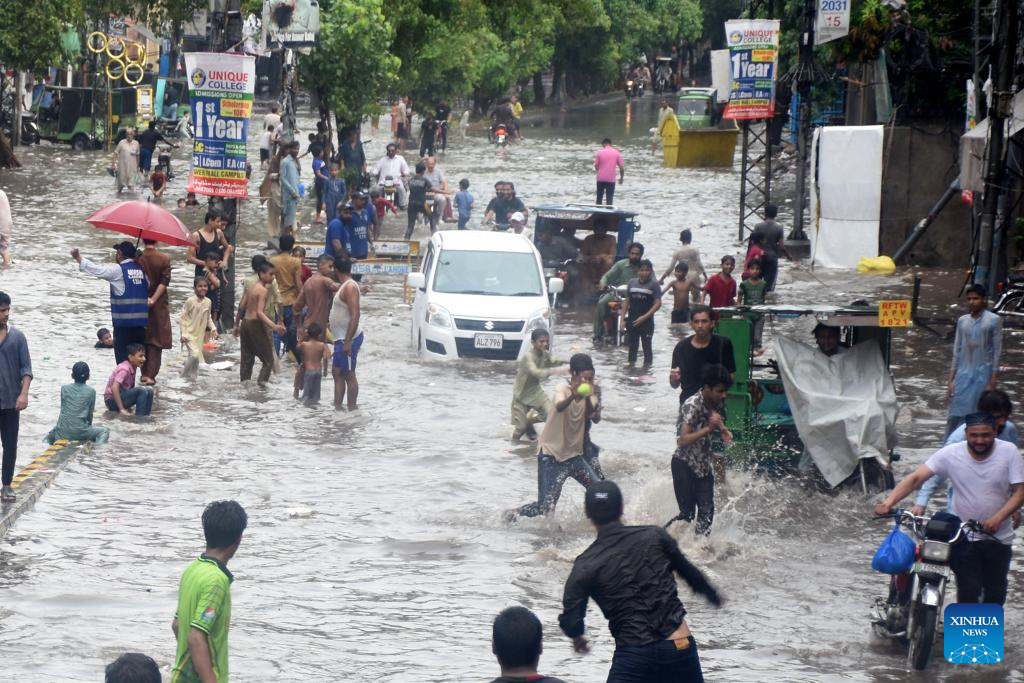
[138, 291]
[129, 291]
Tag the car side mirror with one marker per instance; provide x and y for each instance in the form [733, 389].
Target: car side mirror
[417, 281]
[556, 285]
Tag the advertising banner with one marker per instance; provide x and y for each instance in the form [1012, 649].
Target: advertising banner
[220, 90]
[832, 21]
[753, 66]
[291, 23]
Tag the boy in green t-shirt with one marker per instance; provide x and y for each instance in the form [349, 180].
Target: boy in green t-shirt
[204, 599]
[752, 293]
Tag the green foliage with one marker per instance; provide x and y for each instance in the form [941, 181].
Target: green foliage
[30, 32]
[351, 68]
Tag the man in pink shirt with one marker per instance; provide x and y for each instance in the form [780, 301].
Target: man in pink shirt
[605, 162]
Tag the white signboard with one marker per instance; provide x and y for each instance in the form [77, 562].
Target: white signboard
[833, 20]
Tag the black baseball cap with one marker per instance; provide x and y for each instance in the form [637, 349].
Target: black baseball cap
[126, 248]
[603, 502]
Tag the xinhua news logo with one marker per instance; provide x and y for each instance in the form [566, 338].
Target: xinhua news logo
[973, 633]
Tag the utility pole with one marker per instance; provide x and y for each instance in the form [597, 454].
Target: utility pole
[224, 34]
[1000, 107]
[804, 79]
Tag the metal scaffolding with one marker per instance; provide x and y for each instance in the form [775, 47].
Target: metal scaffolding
[755, 174]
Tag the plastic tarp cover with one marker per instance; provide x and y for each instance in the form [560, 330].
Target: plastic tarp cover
[844, 406]
[847, 187]
[974, 142]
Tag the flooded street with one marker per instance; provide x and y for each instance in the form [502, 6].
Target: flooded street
[376, 549]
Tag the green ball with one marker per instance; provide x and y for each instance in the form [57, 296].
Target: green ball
[584, 389]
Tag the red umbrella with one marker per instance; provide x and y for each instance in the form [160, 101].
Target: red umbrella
[142, 220]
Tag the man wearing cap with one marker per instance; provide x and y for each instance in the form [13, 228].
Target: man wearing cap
[364, 219]
[339, 231]
[129, 294]
[289, 187]
[629, 571]
[517, 224]
[988, 484]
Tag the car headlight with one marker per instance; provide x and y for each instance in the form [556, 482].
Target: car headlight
[935, 551]
[438, 316]
[539, 320]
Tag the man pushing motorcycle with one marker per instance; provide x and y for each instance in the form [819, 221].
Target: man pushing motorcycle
[988, 484]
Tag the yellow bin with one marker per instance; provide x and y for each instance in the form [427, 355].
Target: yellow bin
[698, 147]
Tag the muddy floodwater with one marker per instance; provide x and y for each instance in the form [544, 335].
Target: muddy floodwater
[376, 549]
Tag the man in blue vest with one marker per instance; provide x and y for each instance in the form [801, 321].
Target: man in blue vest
[129, 290]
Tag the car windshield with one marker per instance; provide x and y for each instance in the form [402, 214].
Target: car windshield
[490, 273]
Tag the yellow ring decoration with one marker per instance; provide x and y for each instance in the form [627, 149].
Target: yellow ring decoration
[115, 62]
[116, 41]
[140, 54]
[128, 79]
[97, 35]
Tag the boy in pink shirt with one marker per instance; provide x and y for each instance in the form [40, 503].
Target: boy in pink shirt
[121, 394]
[605, 161]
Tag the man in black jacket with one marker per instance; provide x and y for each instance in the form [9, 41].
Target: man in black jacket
[628, 571]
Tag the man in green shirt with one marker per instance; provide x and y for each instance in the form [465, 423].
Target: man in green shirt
[619, 274]
[204, 599]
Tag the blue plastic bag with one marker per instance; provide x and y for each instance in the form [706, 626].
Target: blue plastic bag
[896, 554]
[302, 190]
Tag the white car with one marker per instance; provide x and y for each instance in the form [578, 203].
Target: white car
[480, 295]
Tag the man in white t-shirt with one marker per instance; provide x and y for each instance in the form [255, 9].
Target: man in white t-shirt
[988, 484]
[393, 165]
[273, 118]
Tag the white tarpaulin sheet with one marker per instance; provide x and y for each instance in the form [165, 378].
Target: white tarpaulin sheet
[847, 192]
[844, 406]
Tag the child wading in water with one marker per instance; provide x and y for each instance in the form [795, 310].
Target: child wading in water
[77, 401]
[314, 353]
[196, 326]
[721, 287]
[530, 405]
[685, 288]
[121, 392]
[752, 293]
[213, 273]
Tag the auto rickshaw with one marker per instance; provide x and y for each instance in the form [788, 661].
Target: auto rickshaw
[565, 222]
[66, 115]
[164, 100]
[772, 408]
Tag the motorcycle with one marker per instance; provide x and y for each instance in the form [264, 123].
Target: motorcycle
[634, 88]
[29, 129]
[559, 269]
[1011, 296]
[499, 134]
[662, 83]
[164, 159]
[612, 323]
[441, 136]
[912, 608]
[389, 189]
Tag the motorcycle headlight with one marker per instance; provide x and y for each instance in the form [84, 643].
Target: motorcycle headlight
[539, 320]
[935, 551]
[438, 316]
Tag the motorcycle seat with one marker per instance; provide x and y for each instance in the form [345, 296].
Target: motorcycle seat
[1016, 277]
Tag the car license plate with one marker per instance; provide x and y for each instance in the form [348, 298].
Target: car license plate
[929, 568]
[488, 341]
